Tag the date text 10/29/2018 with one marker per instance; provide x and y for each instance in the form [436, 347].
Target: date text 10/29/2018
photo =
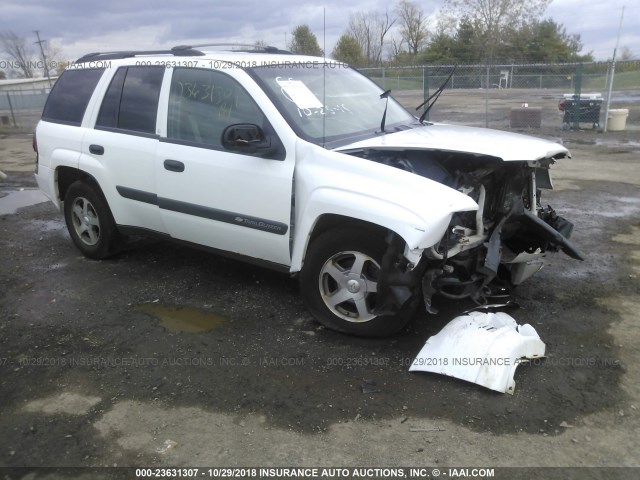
[313, 472]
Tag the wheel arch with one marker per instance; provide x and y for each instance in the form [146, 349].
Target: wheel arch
[66, 176]
[328, 221]
[418, 226]
[324, 223]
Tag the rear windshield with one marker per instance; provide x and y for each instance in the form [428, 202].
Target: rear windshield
[70, 95]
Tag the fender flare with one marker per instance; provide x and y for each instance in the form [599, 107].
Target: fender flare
[417, 232]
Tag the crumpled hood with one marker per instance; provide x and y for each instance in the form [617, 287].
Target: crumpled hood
[456, 138]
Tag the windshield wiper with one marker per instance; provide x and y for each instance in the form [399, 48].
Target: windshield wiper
[384, 115]
[436, 94]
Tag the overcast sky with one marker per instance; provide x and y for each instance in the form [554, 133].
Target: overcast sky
[80, 26]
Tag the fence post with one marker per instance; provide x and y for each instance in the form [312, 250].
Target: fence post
[13, 117]
[610, 79]
[425, 87]
[384, 87]
[486, 99]
[575, 112]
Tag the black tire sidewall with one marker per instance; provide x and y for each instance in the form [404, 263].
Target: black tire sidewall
[108, 231]
[325, 246]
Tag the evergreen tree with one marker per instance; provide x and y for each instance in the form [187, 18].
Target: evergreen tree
[305, 42]
[348, 50]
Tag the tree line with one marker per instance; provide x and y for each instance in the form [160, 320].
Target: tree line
[467, 31]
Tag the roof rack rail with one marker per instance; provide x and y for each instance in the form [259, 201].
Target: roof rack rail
[241, 47]
[180, 51]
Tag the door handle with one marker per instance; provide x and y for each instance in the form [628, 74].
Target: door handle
[96, 149]
[174, 166]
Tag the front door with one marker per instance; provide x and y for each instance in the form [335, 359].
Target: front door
[230, 200]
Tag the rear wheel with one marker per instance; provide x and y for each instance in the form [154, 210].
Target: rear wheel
[90, 222]
[339, 283]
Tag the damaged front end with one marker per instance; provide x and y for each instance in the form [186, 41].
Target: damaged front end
[500, 245]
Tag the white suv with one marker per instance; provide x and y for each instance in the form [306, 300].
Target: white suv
[301, 164]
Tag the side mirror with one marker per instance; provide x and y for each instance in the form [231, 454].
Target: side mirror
[246, 138]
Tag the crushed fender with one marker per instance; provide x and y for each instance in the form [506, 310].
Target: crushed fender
[482, 348]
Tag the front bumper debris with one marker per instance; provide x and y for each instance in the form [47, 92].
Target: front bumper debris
[482, 348]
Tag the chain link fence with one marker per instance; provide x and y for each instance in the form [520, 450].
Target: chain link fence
[519, 96]
[21, 108]
[497, 96]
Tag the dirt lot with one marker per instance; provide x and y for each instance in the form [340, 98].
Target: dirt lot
[166, 356]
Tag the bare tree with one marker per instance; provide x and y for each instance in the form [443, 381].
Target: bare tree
[16, 48]
[493, 18]
[383, 25]
[396, 46]
[412, 25]
[360, 29]
[370, 30]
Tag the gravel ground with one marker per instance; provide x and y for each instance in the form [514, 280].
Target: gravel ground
[166, 356]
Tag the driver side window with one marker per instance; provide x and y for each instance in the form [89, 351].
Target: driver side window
[202, 103]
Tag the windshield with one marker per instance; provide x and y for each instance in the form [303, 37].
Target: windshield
[329, 102]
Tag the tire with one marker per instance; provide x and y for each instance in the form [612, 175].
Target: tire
[339, 282]
[90, 222]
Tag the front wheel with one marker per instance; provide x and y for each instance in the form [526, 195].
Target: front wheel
[339, 282]
[90, 222]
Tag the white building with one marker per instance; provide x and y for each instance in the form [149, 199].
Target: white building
[30, 85]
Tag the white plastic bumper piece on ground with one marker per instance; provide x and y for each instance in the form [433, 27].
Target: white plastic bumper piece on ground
[483, 348]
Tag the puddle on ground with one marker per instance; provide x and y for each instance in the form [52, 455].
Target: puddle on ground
[19, 199]
[182, 319]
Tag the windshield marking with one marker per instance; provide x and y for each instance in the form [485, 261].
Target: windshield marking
[325, 106]
[338, 108]
[297, 92]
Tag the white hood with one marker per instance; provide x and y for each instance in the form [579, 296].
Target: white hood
[505, 145]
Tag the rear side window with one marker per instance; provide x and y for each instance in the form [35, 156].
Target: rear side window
[70, 96]
[108, 116]
[131, 101]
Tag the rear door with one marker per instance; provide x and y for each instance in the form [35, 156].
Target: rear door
[120, 151]
[230, 200]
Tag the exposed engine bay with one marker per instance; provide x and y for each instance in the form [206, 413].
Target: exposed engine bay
[496, 247]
